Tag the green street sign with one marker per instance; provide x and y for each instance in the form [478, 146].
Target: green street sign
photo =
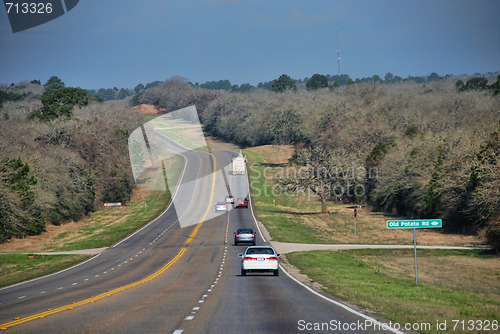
[417, 223]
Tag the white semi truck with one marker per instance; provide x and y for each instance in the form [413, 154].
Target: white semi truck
[239, 165]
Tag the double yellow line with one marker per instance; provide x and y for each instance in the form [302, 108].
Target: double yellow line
[157, 273]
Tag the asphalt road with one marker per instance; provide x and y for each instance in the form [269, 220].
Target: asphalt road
[168, 279]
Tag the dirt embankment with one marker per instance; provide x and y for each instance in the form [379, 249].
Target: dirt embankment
[148, 109]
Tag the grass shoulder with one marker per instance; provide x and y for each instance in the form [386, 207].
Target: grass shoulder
[106, 227]
[453, 284]
[22, 267]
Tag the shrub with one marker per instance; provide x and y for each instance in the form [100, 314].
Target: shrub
[493, 235]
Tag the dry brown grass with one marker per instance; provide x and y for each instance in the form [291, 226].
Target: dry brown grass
[57, 236]
[274, 154]
[217, 145]
[40, 243]
[479, 275]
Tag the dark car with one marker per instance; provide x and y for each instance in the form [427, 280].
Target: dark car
[241, 202]
[244, 234]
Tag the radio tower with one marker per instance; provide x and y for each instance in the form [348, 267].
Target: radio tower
[338, 50]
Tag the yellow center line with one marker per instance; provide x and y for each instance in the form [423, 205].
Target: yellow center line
[125, 287]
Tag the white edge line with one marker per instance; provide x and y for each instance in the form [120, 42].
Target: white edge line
[49, 275]
[345, 307]
[251, 206]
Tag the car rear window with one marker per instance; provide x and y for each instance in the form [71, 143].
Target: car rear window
[260, 251]
[245, 230]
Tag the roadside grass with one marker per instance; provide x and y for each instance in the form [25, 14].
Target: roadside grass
[292, 217]
[20, 267]
[453, 284]
[103, 230]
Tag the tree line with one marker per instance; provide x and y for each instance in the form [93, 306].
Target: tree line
[315, 82]
[429, 149]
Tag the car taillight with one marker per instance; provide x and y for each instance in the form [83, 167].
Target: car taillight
[237, 235]
[253, 235]
[274, 258]
[248, 258]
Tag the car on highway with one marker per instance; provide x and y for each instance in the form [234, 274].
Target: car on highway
[220, 206]
[244, 234]
[259, 259]
[241, 202]
[230, 199]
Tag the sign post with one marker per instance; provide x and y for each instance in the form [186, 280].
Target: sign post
[414, 224]
[355, 214]
[112, 205]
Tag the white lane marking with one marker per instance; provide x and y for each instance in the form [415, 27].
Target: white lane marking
[166, 209]
[178, 331]
[205, 296]
[250, 204]
[53, 274]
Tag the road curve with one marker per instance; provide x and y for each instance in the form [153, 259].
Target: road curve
[167, 279]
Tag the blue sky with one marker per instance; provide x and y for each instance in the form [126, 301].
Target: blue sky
[103, 44]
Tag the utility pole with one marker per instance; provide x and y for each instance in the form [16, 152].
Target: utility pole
[338, 50]
[355, 234]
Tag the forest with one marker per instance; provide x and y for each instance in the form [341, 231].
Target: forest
[62, 154]
[428, 148]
